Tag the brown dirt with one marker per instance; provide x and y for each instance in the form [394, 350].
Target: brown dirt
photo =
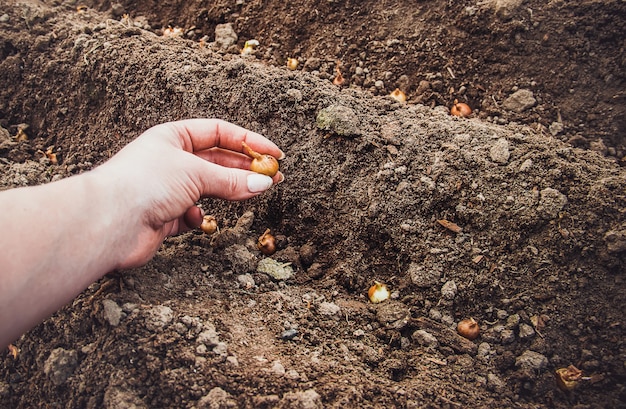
[539, 261]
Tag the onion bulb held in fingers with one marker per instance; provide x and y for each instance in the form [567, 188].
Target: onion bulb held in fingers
[209, 224]
[261, 163]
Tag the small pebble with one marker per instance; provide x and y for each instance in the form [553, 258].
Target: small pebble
[526, 331]
[289, 334]
[531, 360]
[449, 290]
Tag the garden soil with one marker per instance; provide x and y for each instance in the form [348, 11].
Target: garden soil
[514, 216]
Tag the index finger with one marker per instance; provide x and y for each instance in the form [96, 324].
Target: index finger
[200, 134]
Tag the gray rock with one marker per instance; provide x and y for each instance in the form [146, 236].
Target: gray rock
[4, 18]
[506, 8]
[60, 365]
[115, 398]
[499, 152]
[277, 270]
[449, 290]
[225, 36]
[201, 349]
[424, 338]
[507, 336]
[246, 281]
[308, 399]
[278, 368]
[5, 139]
[391, 311]
[112, 312]
[221, 349]
[217, 398]
[494, 383]
[340, 120]
[241, 259]
[4, 135]
[423, 277]
[289, 334]
[526, 165]
[531, 360]
[329, 308]
[556, 128]
[512, 321]
[209, 336]
[526, 331]
[520, 101]
[117, 10]
[615, 241]
[159, 317]
[551, 202]
[484, 350]
[435, 314]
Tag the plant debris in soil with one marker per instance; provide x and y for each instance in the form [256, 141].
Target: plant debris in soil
[496, 219]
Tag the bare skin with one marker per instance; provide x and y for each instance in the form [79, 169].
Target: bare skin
[59, 238]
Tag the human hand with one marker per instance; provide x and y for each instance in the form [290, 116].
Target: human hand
[160, 176]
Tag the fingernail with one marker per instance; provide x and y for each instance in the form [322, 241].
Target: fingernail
[282, 155]
[281, 178]
[259, 183]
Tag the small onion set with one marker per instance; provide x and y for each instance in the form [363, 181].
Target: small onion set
[468, 328]
[209, 224]
[568, 378]
[249, 46]
[267, 243]
[460, 109]
[378, 292]
[339, 80]
[261, 163]
[292, 64]
[398, 95]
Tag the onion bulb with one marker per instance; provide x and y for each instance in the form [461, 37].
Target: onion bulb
[460, 109]
[398, 95]
[378, 292]
[468, 328]
[267, 243]
[261, 163]
[567, 378]
[209, 224]
[339, 79]
[292, 63]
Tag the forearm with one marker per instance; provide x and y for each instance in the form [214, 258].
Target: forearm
[56, 240]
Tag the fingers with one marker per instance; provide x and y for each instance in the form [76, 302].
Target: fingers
[201, 134]
[192, 218]
[225, 157]
[231, 183]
